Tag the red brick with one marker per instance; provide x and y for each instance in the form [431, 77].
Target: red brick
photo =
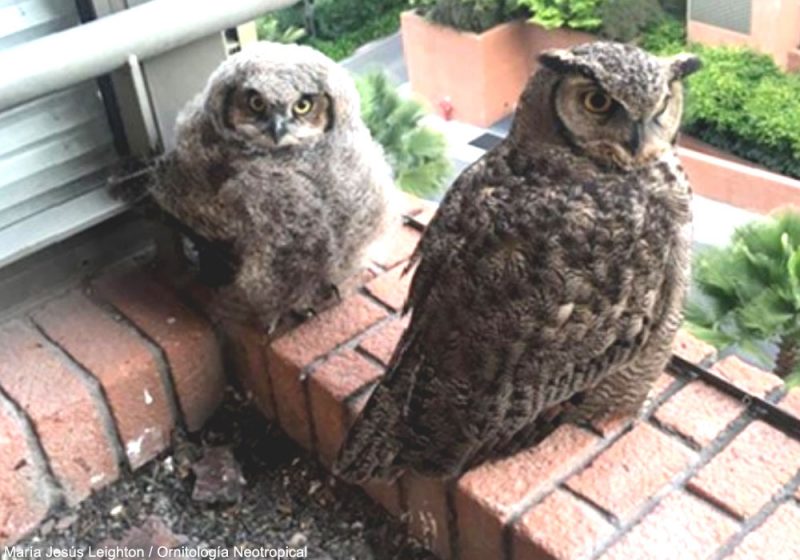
[746, 377]
[391, 287]
[291, 353]
[328, 387]
[185, 337]
[395, 246]
[25, 496]
[247, 348]
[428, 513]
[321, 334]
[791, 402]
[123, 364]
[612, 423]
[67, 420]
[750, 470]
[699, 412]
[691, 348]
[681, 526]
[488, 494]
[632, 470]
[559, 528]
[381, 342]
[777, 538]
[286, 379]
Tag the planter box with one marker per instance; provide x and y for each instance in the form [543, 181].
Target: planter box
[793, 64]
[471, 77]
[737, 184]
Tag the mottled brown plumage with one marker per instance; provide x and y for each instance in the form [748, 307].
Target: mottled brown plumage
[551, 277]
[276, 178]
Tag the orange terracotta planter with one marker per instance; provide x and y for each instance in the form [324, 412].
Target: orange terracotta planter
[793, 65]
[471, 77]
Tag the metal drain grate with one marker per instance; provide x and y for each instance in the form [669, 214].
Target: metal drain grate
[756, 406]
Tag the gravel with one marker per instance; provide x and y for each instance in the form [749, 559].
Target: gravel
[268, 493]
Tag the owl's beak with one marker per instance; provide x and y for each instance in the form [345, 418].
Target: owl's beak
[277, 128]
[638, 138]
[644, 143]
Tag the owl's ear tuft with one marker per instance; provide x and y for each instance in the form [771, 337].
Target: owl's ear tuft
[564, 61]
[558, 60]
[684, 64]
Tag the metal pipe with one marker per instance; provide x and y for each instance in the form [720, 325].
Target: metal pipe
[62, 59]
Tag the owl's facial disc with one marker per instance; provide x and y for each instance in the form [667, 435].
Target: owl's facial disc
[607, 130]
[276, 124]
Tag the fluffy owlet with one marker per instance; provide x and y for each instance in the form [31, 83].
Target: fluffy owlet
[277, 179]
[550, 282]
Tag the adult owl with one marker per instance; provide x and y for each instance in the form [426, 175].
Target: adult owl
[551, 279]
[277, 180]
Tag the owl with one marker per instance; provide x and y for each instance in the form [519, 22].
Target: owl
[549, 284]
[276, 180]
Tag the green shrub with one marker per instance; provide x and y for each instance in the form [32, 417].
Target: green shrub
[269, 29]
[740, 101]
[347, 43]
[676, 8]
[332, 18]
[748, 292]
[293, 16]
[624, 20]
[416, 153]
[743, 103]
[468, 15]
[324, 24]
[665, 38]
[577, 14]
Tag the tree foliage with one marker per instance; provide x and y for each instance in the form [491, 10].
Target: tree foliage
[468, 15]
[740, 102]
[417, 153]
[749, 291]
[577, 14]
[624, 20]
[269, 28]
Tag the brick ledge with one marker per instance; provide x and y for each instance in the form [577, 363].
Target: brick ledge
[693, 476]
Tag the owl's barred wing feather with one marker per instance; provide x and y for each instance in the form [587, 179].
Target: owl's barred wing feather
[523, 297]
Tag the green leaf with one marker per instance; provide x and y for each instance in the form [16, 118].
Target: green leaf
[749, 291]
[752, 348]
[417, 153]
[717, 339]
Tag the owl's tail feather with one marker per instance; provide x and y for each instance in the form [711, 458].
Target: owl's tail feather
[372, 446]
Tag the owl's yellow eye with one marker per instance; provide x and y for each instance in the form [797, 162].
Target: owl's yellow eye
[256, 103]
[596, 101]
[303, 106]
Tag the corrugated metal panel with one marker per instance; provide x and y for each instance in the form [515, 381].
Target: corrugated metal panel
[53, 150]
[24, 20]
[734, 15]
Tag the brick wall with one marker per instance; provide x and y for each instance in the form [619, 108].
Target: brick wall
[693, 476]
[91, 385]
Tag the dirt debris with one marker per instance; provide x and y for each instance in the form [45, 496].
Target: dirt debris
[238, 483]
